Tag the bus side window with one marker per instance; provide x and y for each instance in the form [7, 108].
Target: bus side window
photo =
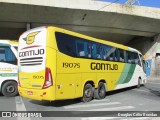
[109, 53]
[120, 55]
[10, 57]
[66, 44]
[106, 52]
[80, 49]
[2, 54]
[113, 55]
[94, 51]
[100, 51]
[7, 56]
[83, 49]
[132, 58]
[86, 49]
[128, 57]
[89, 46]
[137, 60]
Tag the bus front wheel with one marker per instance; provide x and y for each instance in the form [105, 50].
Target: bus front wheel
[139, 83]
[100, 92]
[9, 89]
[87, 93]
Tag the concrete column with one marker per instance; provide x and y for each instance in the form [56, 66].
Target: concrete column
[155, 70]
[28, 26]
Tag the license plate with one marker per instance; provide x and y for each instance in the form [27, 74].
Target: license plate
[30, 93]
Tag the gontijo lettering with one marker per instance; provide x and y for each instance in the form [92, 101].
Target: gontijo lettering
[31, 53]
[103, 66]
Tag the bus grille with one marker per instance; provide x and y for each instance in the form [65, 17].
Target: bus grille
[31, 61]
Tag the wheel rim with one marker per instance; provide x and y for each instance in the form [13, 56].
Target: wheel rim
[88, 93]
[101, 91]
[10, 89]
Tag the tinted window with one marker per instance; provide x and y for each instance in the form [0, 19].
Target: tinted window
[83, 49]
[111, 53]
[66, 44]
[133, 58]
[137, 60]
[121, 55]
[7, 56]
[78, 47]
[101, 51]
[130, 57]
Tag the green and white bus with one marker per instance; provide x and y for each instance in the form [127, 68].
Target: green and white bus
[8, 68]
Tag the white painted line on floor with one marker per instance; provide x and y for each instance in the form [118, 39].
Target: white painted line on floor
[104, 100]
[91, 105]
[111, 109]
[19, 104]
[141, 90]
[20, 107]
[153, 83]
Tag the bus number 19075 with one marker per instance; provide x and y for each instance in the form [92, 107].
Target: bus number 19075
[71, 65]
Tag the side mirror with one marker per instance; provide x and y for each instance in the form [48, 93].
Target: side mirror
[147, 64]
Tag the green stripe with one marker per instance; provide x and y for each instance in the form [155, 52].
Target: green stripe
[8, 74]
[127, 73]
[130, 73]
[124, 74]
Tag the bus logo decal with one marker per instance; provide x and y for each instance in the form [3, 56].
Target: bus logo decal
[30, 37]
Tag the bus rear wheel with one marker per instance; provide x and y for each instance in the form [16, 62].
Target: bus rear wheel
[100, 92]
[9, 89]
[87, 93]
[139, 83]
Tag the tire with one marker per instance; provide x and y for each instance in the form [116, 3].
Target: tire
[139, 83]
[100, 92]
[9, 89]
[87, 93]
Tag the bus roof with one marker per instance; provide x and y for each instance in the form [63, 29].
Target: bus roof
[98, 40]
[89, 38]
[9, 42]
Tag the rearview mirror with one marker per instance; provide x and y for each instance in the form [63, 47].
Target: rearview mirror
[147, 64]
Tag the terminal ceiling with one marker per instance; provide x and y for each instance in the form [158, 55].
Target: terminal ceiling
[120, 28]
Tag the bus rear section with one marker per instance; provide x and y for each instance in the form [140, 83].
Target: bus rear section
[35, 73]
[8, 68]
